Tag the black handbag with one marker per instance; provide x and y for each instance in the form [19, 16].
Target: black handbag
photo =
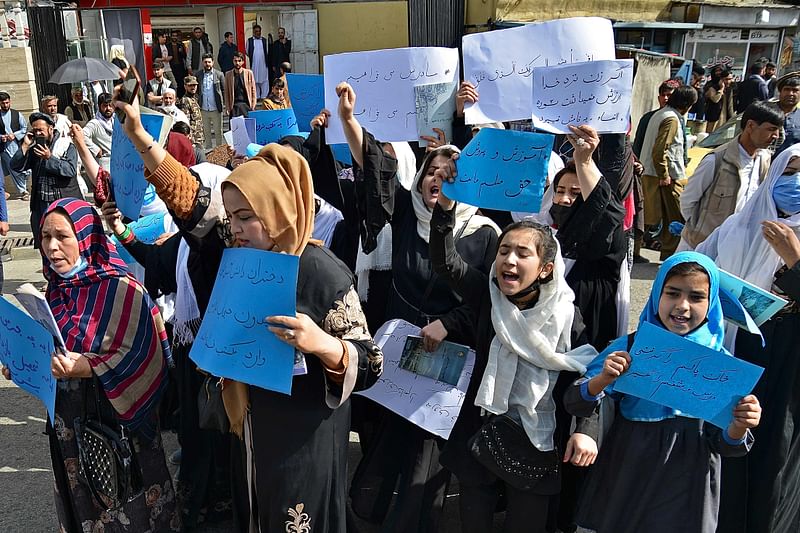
[210, 407]
[502, 447]
[107, 457]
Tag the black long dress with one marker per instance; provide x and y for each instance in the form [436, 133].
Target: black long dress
[594, 238]
[761, 491]
[404, 453]
[203, 484]
[298, 443]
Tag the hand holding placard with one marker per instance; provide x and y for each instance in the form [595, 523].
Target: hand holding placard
[596, 93]
[501, 169]
[669, 370]
[26, 349]
[127, 167]
[234, 340]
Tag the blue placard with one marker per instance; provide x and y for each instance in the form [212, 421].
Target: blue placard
[233, 341]
[271, 126]
[127, 168]
[26, 349]
[669, 370]
[502, 169]
[342, 153]
[148, 229]
[307, 94]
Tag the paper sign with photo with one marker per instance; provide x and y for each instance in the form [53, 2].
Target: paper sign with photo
[436, 104]
[760, 304]
[384, 82]
[428, 402]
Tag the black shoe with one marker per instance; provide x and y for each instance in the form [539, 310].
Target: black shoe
[640, 260]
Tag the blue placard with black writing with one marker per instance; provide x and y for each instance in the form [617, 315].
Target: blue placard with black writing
[234, 341]
[307, 93]
[148, 228]
[127, 167]
[697, 381]
[502, 169]
[26, 349]
[273, 125]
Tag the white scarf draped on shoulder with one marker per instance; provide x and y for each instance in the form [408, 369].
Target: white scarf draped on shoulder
[530, 348]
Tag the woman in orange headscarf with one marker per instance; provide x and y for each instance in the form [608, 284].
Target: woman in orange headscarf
[294, 448]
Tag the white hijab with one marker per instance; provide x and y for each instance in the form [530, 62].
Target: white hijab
[325, 221]
[738, 245]
[530, 347]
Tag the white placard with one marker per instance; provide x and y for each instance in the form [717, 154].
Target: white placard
[597, 93]
[384, 82]
[501, 63]
[430, 404]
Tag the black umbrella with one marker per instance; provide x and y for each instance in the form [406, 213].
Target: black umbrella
[84, 69]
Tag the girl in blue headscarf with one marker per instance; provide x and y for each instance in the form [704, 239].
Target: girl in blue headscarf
[658, 470]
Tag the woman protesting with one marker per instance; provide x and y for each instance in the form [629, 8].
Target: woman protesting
[294, 449]
[115, 363]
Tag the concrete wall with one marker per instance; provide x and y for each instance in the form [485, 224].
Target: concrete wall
[356, 26]
[18, 79]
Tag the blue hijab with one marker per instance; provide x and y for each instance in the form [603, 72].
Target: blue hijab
[710, 333]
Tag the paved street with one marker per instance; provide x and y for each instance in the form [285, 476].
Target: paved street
[26, 499]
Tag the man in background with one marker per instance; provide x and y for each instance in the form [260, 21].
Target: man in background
[199, 45]
[240, 88]
[210, 97]
[98, 131]
[178, 52]
[50, 107]
[728, 177]
[161, 52]
[12, 129]
[226, 51]
[279, 53]
[258, 53]
[753, 89]
[190, 106]
[155, 87]
[789, 102]
[78, 111]
[663, 157]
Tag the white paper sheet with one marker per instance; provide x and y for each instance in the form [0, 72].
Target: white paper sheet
[432, 405]
[597, 93]
[501, 63]
[384, 82]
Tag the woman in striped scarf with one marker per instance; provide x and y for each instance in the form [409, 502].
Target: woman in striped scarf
[113, 332]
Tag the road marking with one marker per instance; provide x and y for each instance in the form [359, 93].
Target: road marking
[5, 421]
[8, 469]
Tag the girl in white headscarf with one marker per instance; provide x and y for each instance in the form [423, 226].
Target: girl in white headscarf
[416, 295]
[760, 244]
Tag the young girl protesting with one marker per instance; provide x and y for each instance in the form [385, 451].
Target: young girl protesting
[658, 470]
[525, 322]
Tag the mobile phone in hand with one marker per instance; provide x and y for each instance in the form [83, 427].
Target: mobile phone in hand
[128, 92]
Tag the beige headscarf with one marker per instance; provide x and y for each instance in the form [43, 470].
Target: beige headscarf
[277, 185]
